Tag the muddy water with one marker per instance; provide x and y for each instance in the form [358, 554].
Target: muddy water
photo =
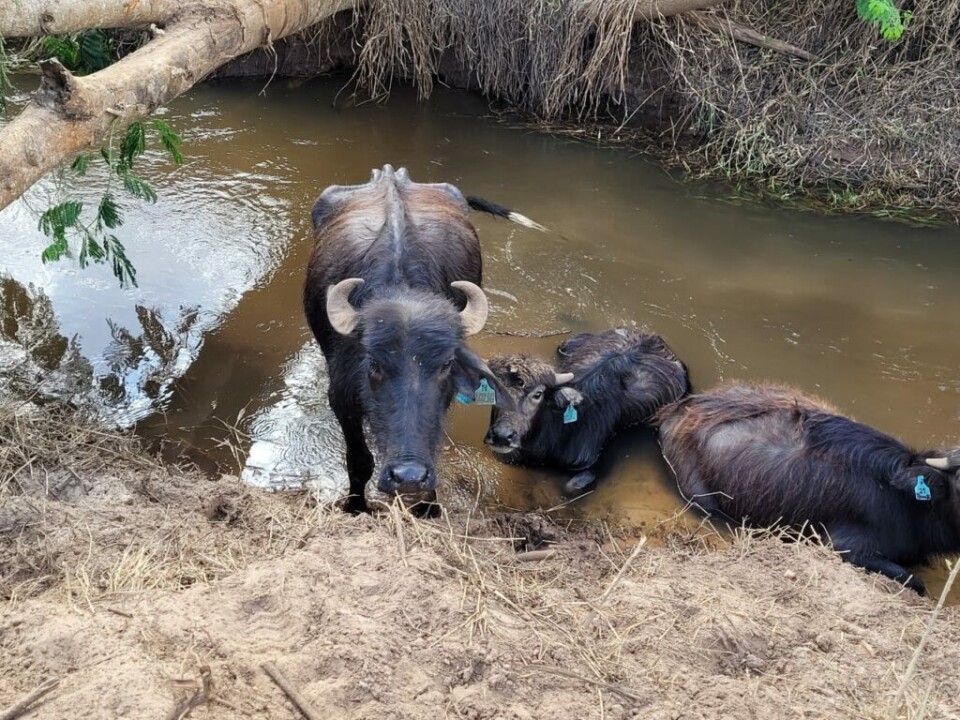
[211, 353]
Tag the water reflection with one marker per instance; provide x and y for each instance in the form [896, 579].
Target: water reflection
[131, 378]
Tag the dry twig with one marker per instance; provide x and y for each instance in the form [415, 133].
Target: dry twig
[22, 706]
[295, 697]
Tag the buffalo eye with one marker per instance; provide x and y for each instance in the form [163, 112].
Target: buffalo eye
[537, 396]
[445, 368]
[374, 370]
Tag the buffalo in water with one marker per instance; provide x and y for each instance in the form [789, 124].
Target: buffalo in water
[767, 455]
[392, 290]
[565, 415]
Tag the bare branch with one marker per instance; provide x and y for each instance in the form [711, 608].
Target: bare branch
[752, 37]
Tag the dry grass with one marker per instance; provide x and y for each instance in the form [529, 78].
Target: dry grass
[452, 615]
[86, 512]
[871, 125]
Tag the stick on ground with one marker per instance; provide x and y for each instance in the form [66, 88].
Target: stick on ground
[21, 706]
[295, 697]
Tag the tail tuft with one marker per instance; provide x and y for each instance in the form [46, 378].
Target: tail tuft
[482, 205]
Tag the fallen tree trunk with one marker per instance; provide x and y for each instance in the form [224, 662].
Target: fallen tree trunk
[70, 114]
[28, 18]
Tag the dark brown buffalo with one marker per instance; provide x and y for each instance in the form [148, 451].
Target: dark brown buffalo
[768, 455]
[565, 415]
[392, 290]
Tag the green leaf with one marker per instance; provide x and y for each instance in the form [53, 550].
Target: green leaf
[108, 214]
[123, 269]
[134, 143]
[93, 51]
[138, 187]
[64, 49]
[55, 250]
[55, 220]
[170, 140]
[885, 15]
[81, 163]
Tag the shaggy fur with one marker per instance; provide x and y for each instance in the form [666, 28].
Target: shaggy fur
[621, 378]
[768, 455]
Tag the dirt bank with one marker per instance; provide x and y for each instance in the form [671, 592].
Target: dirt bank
[130, 582]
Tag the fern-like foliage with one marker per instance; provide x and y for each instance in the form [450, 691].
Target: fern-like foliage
[82, 53]
[885, 15]
[96, 243]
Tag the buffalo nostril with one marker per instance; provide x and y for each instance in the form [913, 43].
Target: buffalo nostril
[408, 474]
[502, 436]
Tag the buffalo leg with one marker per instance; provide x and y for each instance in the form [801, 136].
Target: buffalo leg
[845, 541]
[580, 482]
[698, 495]
[359, 459]
[877, 564]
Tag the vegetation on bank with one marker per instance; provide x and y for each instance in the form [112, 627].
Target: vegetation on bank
[833, 112]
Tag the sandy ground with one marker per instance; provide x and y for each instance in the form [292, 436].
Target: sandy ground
[151, 592]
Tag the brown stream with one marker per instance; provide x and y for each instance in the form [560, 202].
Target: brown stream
[211, 352]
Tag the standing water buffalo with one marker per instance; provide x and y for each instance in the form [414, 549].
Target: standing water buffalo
[565, 416]
[767, 455]
[392, 290]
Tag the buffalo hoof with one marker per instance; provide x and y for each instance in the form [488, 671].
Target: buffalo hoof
[356, 505]
[916, 584]
[580, 483]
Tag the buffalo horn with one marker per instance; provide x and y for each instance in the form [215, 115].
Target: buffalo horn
[562, 378]
[939, 463]
[474, 316]
[340, 312]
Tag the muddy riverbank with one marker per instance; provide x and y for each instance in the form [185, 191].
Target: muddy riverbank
[131, 581]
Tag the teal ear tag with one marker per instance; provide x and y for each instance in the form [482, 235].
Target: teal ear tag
[921, 491]
[464, 399]
[484, 394]
[570, 415]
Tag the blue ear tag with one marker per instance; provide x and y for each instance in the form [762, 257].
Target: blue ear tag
[569, 415]
[484, 394]
[921, 491]
[464, 399]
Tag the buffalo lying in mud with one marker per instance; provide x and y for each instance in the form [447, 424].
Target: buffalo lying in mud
[767, 455]
[564, 416]
[392, 290]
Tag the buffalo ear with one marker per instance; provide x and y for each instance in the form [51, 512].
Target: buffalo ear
[936, 481]
[564, 397]
[469, 369]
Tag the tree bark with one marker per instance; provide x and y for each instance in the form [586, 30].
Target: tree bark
[27, 18]
[70, 114]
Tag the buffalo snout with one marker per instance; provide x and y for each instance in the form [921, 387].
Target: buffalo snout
[502, 438]
[402, 477]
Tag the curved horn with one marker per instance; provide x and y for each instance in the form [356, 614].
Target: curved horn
[562, 378]
[340, 312]
[474, 315]
[938, 463]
